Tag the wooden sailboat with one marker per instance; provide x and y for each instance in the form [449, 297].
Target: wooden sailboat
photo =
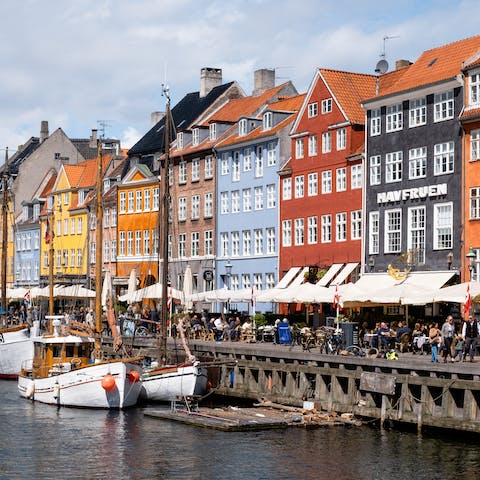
[15, 341]
[68, 366]
[163, 382]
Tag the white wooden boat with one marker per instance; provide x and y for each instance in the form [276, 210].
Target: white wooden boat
[63, 373]
[16, 346]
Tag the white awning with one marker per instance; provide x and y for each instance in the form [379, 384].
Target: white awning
[288, 277]
[299, 279]
[343, 275]
[331, 272]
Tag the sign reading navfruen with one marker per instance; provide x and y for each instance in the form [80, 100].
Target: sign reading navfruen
[412, 193]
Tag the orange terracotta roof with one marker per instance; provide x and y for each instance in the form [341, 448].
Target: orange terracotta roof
[350, 89]
[288, 104]
[48, 187]
[470, 113]
[239, 107]
[435, 65]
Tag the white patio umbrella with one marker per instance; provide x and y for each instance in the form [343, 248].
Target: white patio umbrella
[132, 286]
[187, 287]
[107, 289]
[76, 291]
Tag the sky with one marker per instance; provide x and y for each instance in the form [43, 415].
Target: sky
[81, 64]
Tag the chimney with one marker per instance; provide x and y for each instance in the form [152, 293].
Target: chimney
[155, 117]
[209, 78]
[402, 63]
[43, 130]
[263, 79]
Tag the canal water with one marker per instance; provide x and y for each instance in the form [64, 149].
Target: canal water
[43, 442]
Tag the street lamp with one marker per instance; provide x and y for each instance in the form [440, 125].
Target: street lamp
[449, 260]
[471, 258]
[228, 271]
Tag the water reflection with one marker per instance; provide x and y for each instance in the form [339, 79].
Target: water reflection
[41, 441]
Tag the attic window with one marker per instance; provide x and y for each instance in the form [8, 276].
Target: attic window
[242, 127]
[213, 132]
[432, 62]
[195, 136]
[57, 155]
[180, 140]
[267, 121]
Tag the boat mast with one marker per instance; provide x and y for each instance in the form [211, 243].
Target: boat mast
[4, 236]
[50, 264]
[164, 214]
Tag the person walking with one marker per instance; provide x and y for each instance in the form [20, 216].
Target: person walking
[448, 329]
[435, 336]
[470, 335]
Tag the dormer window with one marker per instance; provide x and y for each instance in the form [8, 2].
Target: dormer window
[106, 185]
[213, 132]
[267, 120]
[475, 89]
[81, 196]
[36, 211]
[180, 140]
[25, 213]
[195, 136]
[50, 202]
[242, 127]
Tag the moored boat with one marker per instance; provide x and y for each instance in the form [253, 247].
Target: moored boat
[16, 345]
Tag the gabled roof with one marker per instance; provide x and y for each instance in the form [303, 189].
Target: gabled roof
[21, 154]
[433, 66]
[183, 114]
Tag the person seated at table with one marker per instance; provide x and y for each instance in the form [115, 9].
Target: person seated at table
[403, 329]
[383, 336]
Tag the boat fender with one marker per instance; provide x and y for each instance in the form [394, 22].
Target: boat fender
[133, 376]
[30, 389]
[56, 391]
[108, 382]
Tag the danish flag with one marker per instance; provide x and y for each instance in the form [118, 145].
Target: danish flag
[468, 302]
[49, 236]
[169, 297]
[336, 298]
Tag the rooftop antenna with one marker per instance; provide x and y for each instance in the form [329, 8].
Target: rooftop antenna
[103, 124]
[382, 64]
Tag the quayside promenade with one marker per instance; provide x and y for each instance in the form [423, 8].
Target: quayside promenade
[409, 390]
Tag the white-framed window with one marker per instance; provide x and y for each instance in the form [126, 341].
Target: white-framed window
[212, 132]
[155, 243]
[475, 203]
[65, 226]
[195, 136]
[417, 162]
[106, 252]
[36, 211]
[443, 158]
[258, 193]
[113, 221]
[417, 112]
[341, 139]
[327, 181]
[138, 242]
[271, 154]
[122, 243]
[286, 233]
[182, 245]
[286, 188]
[271, 244]
[195, 207]
[474, 145]
[341, 179]
[224, 203]
[259, 162]
[246, 243]
[195, 244]
[146, 242]
[129, 243]
[247, 160]
[146, 200]
[130, 201]
[299, 148]
[235, 244]
[235, 201]
[312, 145]
[236, 167]
[267, 121]
[312, 230]
[182, 209]
[341, 227]
[208, 242]
[36, 240]
[374, 233]
[269, 280]
[327, 105]
[299, 190]
[234, 282]
[326, 228]
[443, 106]
[180, 140]
[356, 224]
[393, 231]
[208, 167]
[247, 199]
[474, 89]
[394, 118]
[138, 201]
[375, 170]
[375, 123]
[393, 167]
[182, 172]
[312, 109]
[73, 223]
[58, 233]
[170, 175]
[312, 184]
[299, 231]
[242, 127]
[271, 196]
[246, 283]
[79, 257]
[443, 226]
[356, 174]
[156, 198]
[208, 205]
[195, 170]
[416, 234]
[258, 246]
[326, 142]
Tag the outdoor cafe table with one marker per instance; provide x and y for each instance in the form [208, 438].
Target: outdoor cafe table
[420, 341]
[369, 338]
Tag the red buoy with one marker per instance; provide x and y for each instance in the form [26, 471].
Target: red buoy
[133, 376]
[108, 382]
